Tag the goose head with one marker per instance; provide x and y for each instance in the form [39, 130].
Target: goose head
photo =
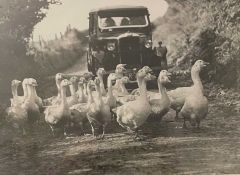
[120, 68]
[199, 65]
[81, 82]
[32, 82]
[15, 83]
[143, 72]
[91, 85]
[64, 83]
[59, 77]
[101, 72]
[73, 80]
[164, 77]
[147, 69]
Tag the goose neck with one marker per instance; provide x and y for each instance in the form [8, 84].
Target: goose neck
[72, 89]
[58, 82]
[98, 89]
[63, 96]
[14, 91]
[100, 76]
[85, 88]
[30, 92]
[80, 90]
[59, 92]
[109, 84]
[90, 96]
[143, 89]
[25, 90]
[162, 90]
[197, 83]
[34, 91]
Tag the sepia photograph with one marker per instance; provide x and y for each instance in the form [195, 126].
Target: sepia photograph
[119, 87]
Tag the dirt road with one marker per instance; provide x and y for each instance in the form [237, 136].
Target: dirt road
[167, 149]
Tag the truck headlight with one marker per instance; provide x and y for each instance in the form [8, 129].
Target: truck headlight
[148, 43]
[111, 46]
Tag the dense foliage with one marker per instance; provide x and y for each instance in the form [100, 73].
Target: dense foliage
[206, 30]
[17, 20]
[60, 53]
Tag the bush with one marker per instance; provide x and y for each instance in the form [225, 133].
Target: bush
[207, 30]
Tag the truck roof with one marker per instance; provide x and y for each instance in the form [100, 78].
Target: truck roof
[118, 8]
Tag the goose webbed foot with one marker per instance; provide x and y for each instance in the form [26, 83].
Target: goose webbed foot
[177, 116]
[53, 131]
[24, 132]
[137, 137]
[103, 133]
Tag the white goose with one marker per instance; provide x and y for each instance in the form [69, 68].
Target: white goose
[98, 114]
[121, 91]
[55, 99]
[195, 106]
[79, 111]
[100, 73]
[58, 116]
[73, 99]
[133, 114]
[82, 97]
[110, 99]
[16, 98]
[37, 99]
[120, 70]
[20, 99]
[177, 96]
[160, 104]
[29, 103]
[16, 114]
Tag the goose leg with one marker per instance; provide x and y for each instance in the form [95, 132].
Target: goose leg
[184, 123]
[53, 133]
[93, 130]
[103, 134]
[64, 131]
[137, 137]
[81, 127]
[177, 115]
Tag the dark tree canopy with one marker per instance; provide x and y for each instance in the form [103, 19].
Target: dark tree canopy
[17, 21]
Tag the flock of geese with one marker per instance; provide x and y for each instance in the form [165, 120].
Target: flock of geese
[91, 102]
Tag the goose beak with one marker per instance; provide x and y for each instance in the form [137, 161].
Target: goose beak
[35, 84]
[205, 63]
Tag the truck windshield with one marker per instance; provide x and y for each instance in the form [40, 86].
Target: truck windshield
[122, 22]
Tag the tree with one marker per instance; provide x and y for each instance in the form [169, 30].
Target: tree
[17, 21]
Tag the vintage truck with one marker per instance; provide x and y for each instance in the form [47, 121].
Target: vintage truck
[123, 35]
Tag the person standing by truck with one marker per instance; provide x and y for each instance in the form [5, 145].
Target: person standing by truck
[161, 52]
